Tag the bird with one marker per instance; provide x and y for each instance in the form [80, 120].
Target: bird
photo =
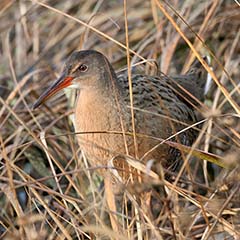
[111, 124]
[103, 109]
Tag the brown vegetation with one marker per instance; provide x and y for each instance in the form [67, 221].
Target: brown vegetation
[47, 189]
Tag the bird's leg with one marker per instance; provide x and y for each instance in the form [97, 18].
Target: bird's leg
[111, 201]
[146, 204]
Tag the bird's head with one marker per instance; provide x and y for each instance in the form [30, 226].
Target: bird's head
[87, 69]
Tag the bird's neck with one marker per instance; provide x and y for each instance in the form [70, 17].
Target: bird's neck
[93, 109]
[108, 79]
[98, 102]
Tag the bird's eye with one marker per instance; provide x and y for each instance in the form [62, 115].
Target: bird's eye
[83, 68]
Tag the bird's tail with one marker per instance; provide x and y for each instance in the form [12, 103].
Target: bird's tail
[203, 78]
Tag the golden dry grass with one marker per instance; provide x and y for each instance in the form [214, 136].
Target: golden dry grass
[45, 191]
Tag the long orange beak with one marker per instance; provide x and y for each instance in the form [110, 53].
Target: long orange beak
[62, 82]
